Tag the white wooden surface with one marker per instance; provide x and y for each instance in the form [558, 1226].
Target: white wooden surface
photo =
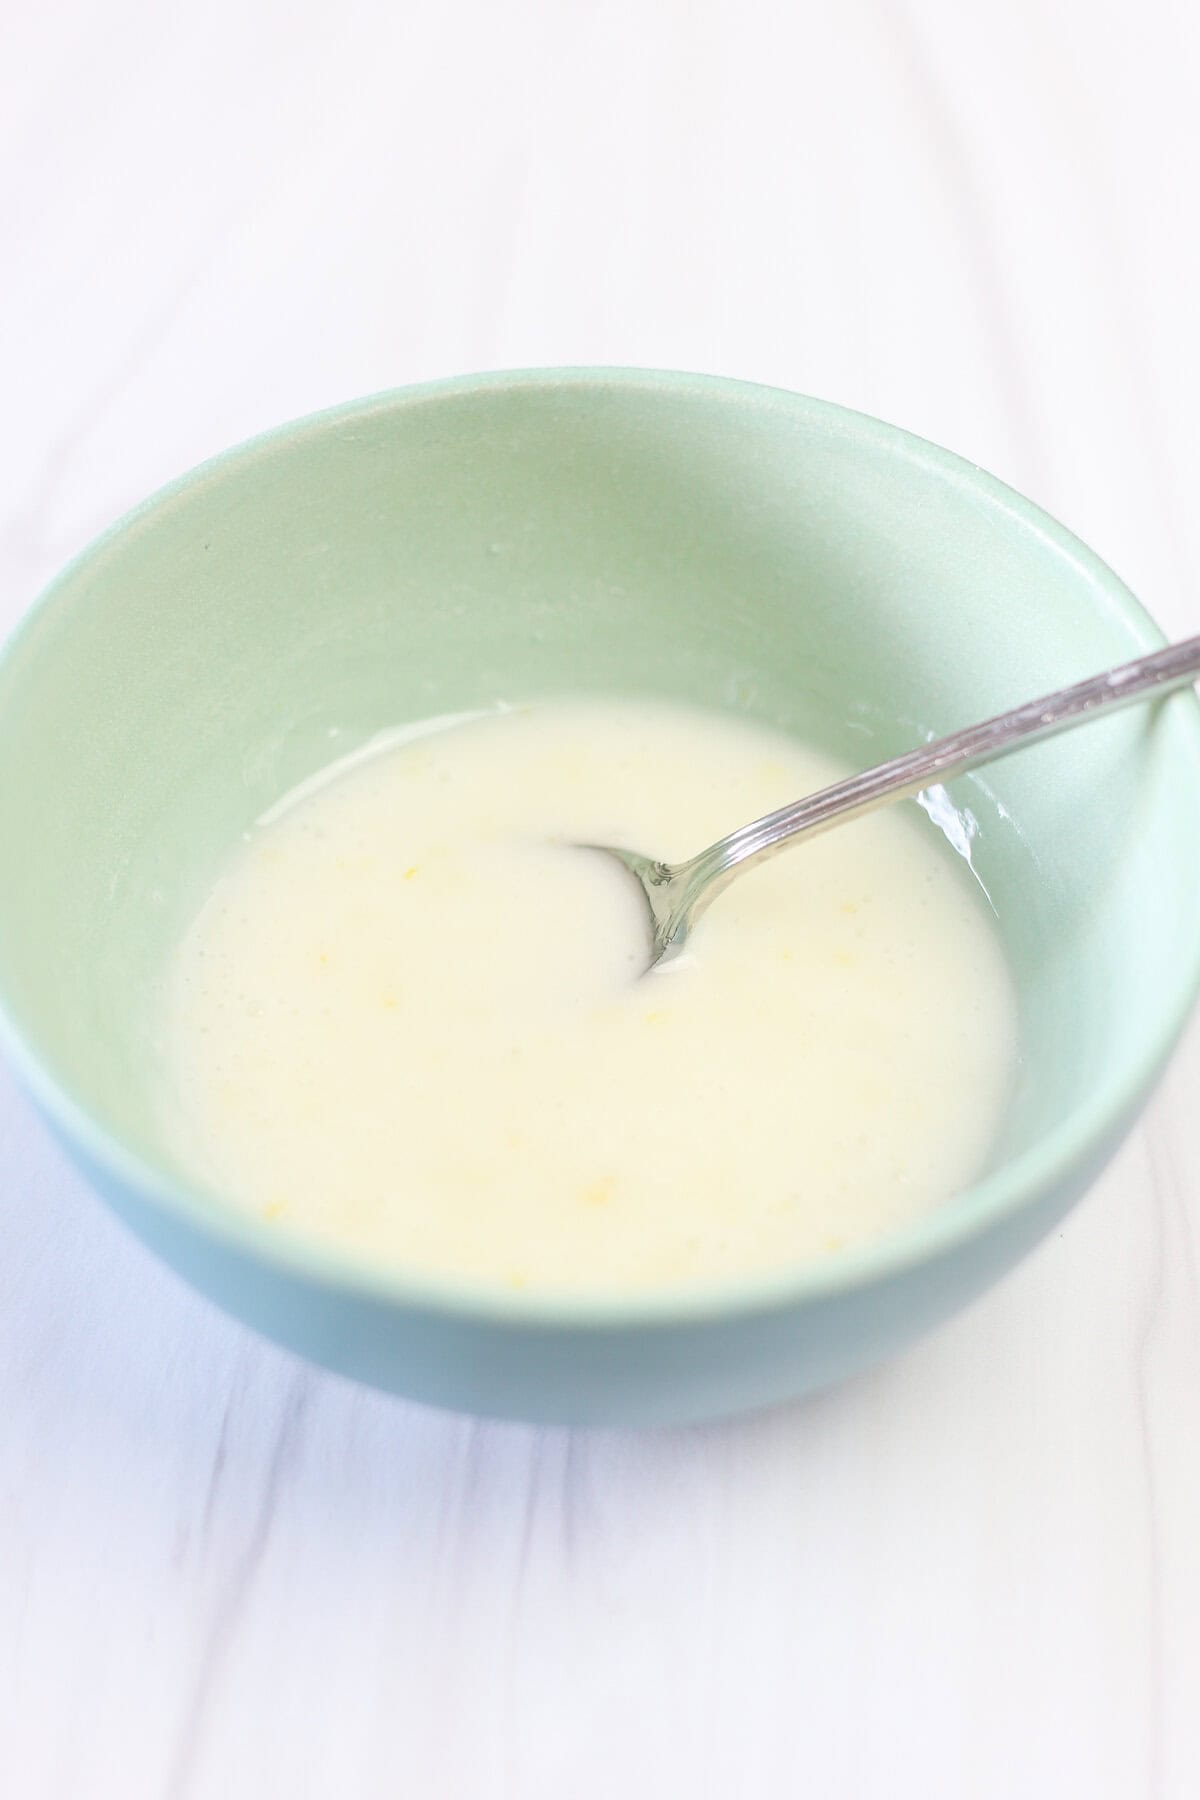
[972, 1576]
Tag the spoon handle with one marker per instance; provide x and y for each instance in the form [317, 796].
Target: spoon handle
[1159, 673]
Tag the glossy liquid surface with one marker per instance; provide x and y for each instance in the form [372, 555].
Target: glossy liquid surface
[409, 1018]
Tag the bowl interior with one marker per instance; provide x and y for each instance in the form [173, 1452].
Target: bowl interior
[441, 550]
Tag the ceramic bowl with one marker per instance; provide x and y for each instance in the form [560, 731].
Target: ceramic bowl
[511, 536]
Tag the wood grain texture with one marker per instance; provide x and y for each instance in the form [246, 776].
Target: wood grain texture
[975, 1573]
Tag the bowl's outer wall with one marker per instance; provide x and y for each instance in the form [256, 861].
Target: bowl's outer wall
[446, 549]
[568, 1374]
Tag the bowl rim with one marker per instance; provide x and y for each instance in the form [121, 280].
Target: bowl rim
[1074, 1145]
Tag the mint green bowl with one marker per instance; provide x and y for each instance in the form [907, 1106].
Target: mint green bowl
[518, 535]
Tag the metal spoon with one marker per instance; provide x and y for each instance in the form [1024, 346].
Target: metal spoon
[677, 893]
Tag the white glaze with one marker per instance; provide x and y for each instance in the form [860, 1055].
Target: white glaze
[412, 1017]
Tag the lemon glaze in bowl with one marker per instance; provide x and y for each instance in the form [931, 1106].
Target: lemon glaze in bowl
[615, 532]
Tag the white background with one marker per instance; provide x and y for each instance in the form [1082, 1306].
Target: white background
[973, 1575]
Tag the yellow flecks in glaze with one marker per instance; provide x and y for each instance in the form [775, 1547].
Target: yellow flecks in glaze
[548, 1115]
